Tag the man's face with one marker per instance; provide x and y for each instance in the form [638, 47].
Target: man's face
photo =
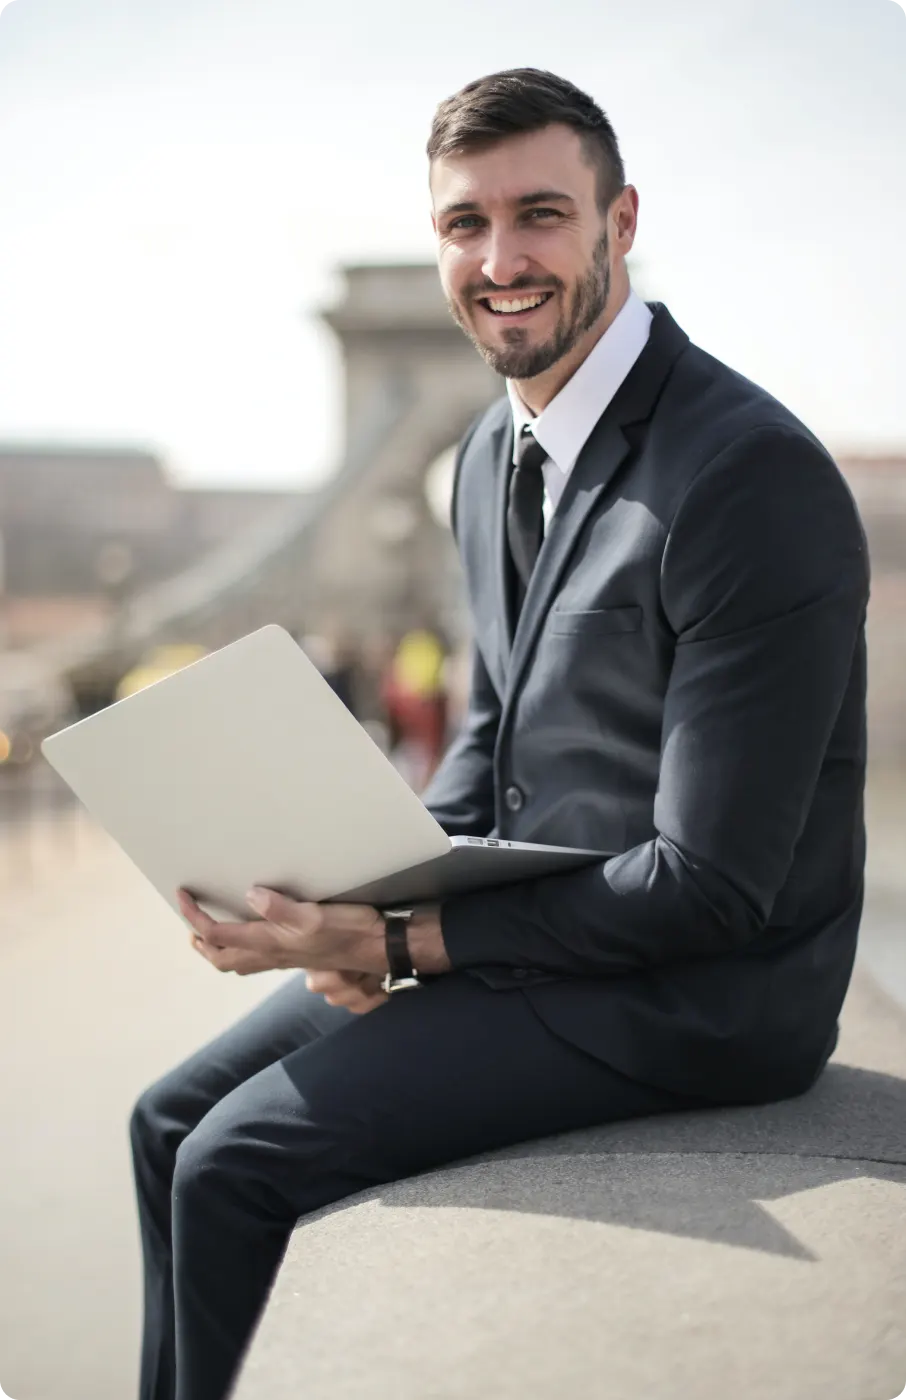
[523, 247]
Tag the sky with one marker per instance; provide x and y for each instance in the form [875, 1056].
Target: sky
[180, 181]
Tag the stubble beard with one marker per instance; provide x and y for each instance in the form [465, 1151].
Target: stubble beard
[518, 360]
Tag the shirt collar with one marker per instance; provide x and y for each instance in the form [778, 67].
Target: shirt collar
[563, 428]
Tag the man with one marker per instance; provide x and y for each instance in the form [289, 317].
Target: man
[668, 582]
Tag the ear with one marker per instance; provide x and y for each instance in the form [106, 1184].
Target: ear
[625, 217]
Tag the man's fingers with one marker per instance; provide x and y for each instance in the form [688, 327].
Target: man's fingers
[330, 983]
[231, 947]
[357, 1002]
[357, 991]
[238, 960]
[201, 922]
[278, 909]
[219, 935]
[254, 937]
[209, 951]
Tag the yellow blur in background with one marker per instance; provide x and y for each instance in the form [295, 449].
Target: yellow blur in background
[419, 662]
[159, 663]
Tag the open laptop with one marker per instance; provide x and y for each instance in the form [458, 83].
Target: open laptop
[245, 768]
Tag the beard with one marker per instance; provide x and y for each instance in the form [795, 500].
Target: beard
[517, 358]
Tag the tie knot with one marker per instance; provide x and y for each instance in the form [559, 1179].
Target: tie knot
[529, 453]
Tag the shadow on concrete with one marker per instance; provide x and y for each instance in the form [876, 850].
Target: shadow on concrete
[719, 1198]
[850, 1114]
[700, 1174]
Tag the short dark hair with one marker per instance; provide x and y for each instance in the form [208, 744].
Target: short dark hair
[526, 99]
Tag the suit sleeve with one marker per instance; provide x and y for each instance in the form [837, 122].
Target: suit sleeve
[460, 796]
[764, 582]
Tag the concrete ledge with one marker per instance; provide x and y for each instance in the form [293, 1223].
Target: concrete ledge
[758, 1252]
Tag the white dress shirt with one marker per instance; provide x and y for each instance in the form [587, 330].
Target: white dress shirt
[563, 428]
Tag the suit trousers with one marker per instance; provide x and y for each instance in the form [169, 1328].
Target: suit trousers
[301, 1104]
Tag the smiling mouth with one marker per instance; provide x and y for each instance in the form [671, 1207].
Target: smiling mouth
[505, 307]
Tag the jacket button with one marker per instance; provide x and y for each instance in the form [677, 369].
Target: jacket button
[514, 799]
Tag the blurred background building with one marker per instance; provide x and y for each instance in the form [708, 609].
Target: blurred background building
[106, 561]
[83, 528]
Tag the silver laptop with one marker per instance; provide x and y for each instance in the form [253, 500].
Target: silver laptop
[245, 768]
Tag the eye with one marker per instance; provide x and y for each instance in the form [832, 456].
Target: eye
[465, 218]
[555, 212]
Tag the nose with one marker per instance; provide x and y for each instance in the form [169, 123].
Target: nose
[503, 259]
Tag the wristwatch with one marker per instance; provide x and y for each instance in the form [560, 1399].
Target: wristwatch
[402, 976]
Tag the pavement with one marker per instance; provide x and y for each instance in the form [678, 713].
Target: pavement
[100, 993]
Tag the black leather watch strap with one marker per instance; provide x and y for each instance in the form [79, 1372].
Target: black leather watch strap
[402, 974]
[395, 933]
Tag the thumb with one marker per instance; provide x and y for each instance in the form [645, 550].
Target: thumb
[274, 907]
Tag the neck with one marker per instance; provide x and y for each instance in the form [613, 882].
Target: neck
[537, 393]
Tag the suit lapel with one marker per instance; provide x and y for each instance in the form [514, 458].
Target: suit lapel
[586, 483]
[599, 460]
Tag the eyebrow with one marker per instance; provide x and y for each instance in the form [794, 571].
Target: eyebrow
[536, 197]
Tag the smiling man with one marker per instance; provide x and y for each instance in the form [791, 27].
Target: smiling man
[668, 581]
[536, 325]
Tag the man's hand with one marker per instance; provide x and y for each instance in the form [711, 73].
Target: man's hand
[359, 992]
[317, 937]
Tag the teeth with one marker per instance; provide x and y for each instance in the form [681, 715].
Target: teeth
[525, 304]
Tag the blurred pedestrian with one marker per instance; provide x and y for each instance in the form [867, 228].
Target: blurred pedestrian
[416, 704]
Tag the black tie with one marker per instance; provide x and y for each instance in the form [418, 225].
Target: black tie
[525, 511]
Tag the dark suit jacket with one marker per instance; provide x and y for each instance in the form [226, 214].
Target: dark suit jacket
[685, 689]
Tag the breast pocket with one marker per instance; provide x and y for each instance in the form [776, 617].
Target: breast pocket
[595, 621]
